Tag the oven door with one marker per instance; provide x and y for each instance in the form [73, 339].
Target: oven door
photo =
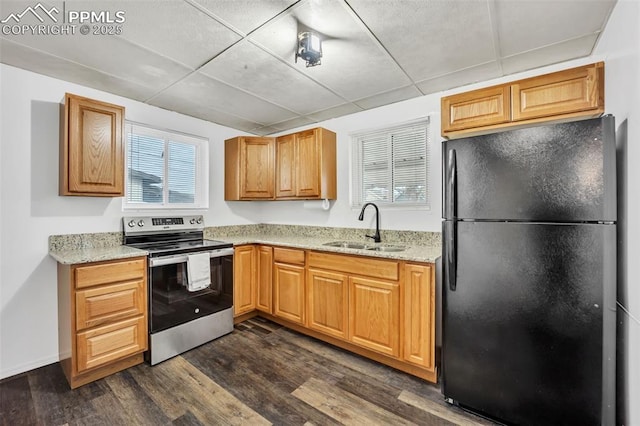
[172, 304]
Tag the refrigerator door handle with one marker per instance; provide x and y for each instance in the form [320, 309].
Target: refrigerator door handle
[451, 176]
[450, 263]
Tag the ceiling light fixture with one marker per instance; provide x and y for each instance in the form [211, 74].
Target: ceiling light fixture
[309, 48]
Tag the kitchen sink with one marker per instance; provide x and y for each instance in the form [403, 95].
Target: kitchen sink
[386, 248]
[363, 246]
[346, 244]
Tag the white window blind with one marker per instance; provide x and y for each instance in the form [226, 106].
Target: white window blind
[391, 165]
[165, 169]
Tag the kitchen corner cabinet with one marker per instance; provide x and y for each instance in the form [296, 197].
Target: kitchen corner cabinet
[264, 272]
[564, 95]
[289, 284]
[249, 168]
[306, 165]
[91, 148]
[300, 165]
[244, 279]
[102, 318]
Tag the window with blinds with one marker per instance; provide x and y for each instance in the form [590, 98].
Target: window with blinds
[165, 169]
[391, 165]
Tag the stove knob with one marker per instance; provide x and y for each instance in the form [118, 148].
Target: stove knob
[192, 221]
[141, 222]
[131, 223]
[199, 220]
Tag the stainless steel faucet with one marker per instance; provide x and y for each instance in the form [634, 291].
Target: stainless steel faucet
[376, 237]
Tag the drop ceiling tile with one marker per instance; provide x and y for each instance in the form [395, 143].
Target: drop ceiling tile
[243, 66]
[530, 24]
[177, 30]
[471, 75]
[245, 15]
[202, 90]
[353, 63]
[187, 106]
[548, 55]
[334, 112]
[109, 54]
[431, 38]
[390, 97]
[264, 131]
[20, 56]
[293, 123]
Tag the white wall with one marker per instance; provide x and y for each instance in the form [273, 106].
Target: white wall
[619, 47]
[31, 209]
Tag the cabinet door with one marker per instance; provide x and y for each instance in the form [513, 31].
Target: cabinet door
[565, 92]
[374, 315]
[484, 107]
[328, 294]
[419, 316]
[308, 164]
[289, 292]
[256, 168]
[92, 150]
[286, 166]
[244, 282]
[264, 277]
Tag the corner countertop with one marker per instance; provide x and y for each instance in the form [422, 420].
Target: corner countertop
[414, 253]
[96, 254]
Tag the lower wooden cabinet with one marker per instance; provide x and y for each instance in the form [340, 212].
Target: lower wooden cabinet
[264, 295]
[102, 318]
[419, 314]
[244, 279]
[374, 315]
[327, 297]
[288, 292]
[379, 308]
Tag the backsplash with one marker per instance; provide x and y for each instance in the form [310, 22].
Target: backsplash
[114, 239]
[351, 234]
[85, 241]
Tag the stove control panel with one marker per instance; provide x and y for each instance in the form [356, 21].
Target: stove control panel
[140, 225]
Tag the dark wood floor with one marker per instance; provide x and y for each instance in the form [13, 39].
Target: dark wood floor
[259, 374]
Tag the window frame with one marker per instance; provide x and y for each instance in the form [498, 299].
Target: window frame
[356, 167]
[201, 144]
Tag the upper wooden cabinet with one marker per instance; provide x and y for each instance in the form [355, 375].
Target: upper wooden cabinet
[249, 168]
[91, 148]
[564, 95]
[296, 166]
[306, 165]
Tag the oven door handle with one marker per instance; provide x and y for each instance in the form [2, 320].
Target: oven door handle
[181, 258]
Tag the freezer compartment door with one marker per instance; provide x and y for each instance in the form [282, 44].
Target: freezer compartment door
[553, 173]
[529, 328]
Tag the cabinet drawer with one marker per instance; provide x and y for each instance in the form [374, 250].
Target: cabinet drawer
[359, 265]
[292, 256]
[107, 273]
[96, 306]
[102, 345]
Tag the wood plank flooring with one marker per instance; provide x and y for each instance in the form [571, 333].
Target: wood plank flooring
[260, 374]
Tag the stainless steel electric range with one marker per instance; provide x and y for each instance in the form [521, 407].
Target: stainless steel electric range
[182, 317]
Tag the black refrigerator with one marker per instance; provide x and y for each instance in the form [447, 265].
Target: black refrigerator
[529, 274]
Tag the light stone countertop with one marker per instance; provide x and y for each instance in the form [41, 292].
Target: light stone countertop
[414, 253]
[95, 254]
